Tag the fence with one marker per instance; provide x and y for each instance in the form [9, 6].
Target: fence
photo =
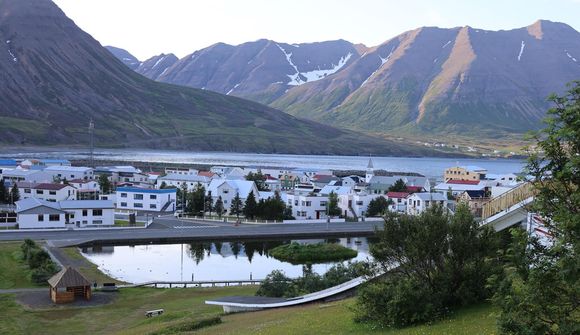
[508, 199]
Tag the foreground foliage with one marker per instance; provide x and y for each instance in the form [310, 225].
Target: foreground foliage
[434, 263]
[540, 293]
[41, 265]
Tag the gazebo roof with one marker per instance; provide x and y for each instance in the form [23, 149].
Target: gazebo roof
[68, 277]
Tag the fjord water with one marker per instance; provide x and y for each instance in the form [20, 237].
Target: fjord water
[431, 167]
[204, 260]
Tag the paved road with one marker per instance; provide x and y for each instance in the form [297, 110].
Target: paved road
[167, 229]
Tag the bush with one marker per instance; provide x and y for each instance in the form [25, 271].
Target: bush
[41, 265]
[296, 253]
[275, 285]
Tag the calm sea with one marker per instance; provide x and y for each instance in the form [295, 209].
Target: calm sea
[430, 167]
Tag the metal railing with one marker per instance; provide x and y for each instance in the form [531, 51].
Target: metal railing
[507, 200]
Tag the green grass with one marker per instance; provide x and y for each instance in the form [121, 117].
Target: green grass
[88, 269]
[337, 318]
[14, 273]
[125, 223]
[186, 307]
[296, 253]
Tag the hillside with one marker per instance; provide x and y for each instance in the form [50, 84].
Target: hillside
[56, 78]
[426, 81]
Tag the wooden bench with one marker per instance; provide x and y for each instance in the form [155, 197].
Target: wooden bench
[155, 312]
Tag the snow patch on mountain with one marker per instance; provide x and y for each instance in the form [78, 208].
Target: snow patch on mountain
[446, 44]
[521, 50]
[383, 61]
[299, 78]
[158, 61]
[233, 88]
[570, 56]
[11, 53]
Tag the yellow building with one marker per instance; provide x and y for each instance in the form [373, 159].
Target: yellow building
[464, 173]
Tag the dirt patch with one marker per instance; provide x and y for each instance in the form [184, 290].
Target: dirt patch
[40, 300]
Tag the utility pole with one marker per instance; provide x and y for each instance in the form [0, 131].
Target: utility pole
[91, 142]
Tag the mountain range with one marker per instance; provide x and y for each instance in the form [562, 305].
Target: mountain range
[430, 80]
[56, 79]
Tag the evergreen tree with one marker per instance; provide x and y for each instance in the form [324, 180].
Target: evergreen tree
[333, 209]
[196, 200]
[208, 203]
[219, 206]
[14, 194]
[104, 184]
[398, 186]
[250, 207]
[378, 206]
[259, 179]
[236, 206]
[3, 192]
[163, 185]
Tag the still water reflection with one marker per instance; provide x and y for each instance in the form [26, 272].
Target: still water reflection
[204, 260]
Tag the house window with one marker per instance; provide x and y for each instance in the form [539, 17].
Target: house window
[323, 203]
[97, 212]
[39, 192]
[418, 202]
[138, 205]
[123, 204]
[26, 190]
[54, 217]
[97, 221]
[153, 197]
[52, 192]
[226, 191]
[138, 196]
[295, 202]
[153, 206]
[72, 216]
[308, 203]
[85, 212]
[40, 217]
[359, 203]
[123, 195]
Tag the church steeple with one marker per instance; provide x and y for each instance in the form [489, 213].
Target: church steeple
[370, 170]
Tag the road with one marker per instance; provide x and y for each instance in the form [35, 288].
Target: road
[168, 230]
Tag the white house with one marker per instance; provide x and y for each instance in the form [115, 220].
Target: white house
[47, 191]
[70, 172]
[144, 199]
[38, 214]
[227, 189]
[306, 206]
[417, 203]
[85, 213]
[177, 170]
[459, 186]
[190, 180]
[31, 176]
[355, 204]
[399, 201]
[86, 189]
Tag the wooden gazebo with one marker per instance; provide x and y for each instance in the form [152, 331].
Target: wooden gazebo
[67, 285]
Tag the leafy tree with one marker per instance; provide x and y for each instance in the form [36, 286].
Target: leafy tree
[250, 207]
[378, 206]
[276, 284]
[398, 186]
[540, 291]
[333, 209]
[104, 184]
[219, 206]
[163, 185]
[435, 263]
[14, 194]
[182, 196]
[259, 179]
[196, 200]
[236, 206]
[288, 213]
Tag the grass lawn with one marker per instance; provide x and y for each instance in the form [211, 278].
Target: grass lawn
[337, 318]
[88, 269]
[14, 273]
[126, 316]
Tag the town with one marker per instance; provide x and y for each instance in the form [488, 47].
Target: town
[54, 194]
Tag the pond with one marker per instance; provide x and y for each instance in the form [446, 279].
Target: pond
[204, 260]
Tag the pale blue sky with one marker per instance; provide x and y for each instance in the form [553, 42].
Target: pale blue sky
[149, 27]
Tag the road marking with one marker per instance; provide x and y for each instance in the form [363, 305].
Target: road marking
[188, 227]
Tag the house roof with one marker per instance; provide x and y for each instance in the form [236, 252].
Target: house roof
[81, 181]
[30, 203]
[244, 187]
[397, 195]
[429, 196]
[51, 186]
[207, 174]
[68, 277]
[145, 190]
[412, 189]
[463, 182]
[336, 189]
[68, 168]
[8, 162]
[185, 177]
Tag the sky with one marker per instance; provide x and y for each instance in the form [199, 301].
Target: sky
[150, 27]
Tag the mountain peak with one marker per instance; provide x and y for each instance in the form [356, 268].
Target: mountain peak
[541, 27]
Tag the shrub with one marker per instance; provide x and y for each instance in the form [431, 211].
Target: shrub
[296, 253]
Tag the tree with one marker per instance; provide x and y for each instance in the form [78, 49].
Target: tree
[272, 208]
[378, 206]
[540, 290]
[163, 185]
[333, 209]
[398, 186]
[219, 206]
[182, 196]
[196, 200]
[209, 203]
[250, 207]
[3, 192]
[14, 194]
[435, 263]
[259, 179]
[236, 206]
[104, 184]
